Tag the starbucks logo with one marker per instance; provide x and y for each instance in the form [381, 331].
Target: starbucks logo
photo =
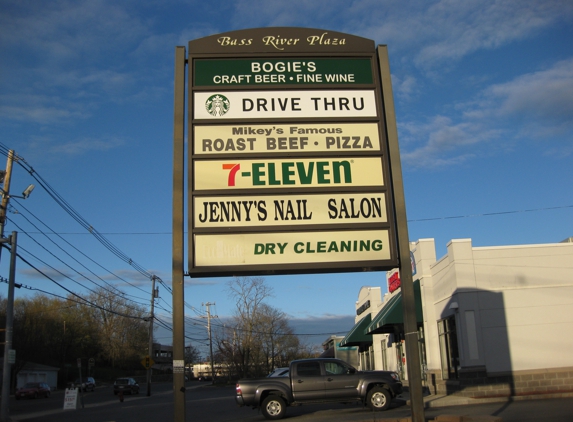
[217, 105]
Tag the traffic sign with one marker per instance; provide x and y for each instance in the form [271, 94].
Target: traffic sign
[147, 362]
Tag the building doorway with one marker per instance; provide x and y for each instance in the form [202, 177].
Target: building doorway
[449, 348]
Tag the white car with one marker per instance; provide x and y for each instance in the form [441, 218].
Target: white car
[279, 372]
[86, 384]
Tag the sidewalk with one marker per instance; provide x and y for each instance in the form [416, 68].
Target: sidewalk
[442, 400]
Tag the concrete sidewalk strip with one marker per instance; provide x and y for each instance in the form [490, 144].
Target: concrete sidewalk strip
[434, 401]
[458, 418]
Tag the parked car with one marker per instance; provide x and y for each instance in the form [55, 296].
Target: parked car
[125, 385]
[86, 384]
[279, 372]
[204, 378]
[33, 390]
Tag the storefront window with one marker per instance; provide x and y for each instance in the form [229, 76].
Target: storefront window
[372, 365]
[367, 359]
[448, 347]
[384, 349]
[401, 360]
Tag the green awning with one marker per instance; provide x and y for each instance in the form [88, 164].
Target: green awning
[392, 313]
[356, 336]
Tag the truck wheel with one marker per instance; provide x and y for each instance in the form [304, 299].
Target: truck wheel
[273, 407]
[378, 399]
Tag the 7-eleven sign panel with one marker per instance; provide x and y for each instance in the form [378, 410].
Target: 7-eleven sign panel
[214, 250]
[299, 173]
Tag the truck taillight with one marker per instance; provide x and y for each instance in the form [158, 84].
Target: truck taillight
[238, 388]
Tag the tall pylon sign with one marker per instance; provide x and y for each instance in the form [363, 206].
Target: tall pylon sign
[293, 167]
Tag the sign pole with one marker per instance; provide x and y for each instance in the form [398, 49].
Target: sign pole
[407, 285]
[81, 382]
[178, 229]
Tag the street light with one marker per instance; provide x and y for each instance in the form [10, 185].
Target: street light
[6, 197]
[26, 192]
[6, 177]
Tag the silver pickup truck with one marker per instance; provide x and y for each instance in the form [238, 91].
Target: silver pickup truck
[318, 381]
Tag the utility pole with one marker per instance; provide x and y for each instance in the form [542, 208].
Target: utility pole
[208, 306]
[7, 176]
[154, 294]
[8, 352]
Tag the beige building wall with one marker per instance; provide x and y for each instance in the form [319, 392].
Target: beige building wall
[373, 295]
[513, 307]
[379, 341]
[513, 311]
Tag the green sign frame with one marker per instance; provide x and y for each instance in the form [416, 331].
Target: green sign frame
[283, 71]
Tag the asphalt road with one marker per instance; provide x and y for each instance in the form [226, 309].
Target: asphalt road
[216, 404]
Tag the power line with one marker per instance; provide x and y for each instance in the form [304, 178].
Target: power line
[76, 216]
[68, 243]
[79, 219]
[489, 214]
[83, 301]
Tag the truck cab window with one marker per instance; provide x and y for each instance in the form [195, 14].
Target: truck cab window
[334, 368]
[308, 369]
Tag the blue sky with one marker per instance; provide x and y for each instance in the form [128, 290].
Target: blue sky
[484, 104]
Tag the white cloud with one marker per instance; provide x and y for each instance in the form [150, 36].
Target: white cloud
[57, 275]
[303, 13]
[69, 29]
[31, 108]
[404, 88]
[538, 105]
[438, 30]
[546, 95]
[456, 28]
[445, 143]
[81, 146]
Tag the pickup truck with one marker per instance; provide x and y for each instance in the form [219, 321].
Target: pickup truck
[318, 380]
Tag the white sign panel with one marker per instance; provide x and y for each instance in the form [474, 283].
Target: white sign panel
[290, 248]
[284, 139]
[294, 173]
[71, 399]
[283, 104]
[178, 366]
[296, 210]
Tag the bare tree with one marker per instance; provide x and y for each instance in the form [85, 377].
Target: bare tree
[259, 338]
[124, 334]
[192, 354]
[249, 293]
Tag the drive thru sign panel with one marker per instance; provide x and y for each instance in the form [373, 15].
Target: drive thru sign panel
[288, 159]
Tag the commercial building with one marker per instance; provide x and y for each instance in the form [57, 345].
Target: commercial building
[492, 321]
[35, 372]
